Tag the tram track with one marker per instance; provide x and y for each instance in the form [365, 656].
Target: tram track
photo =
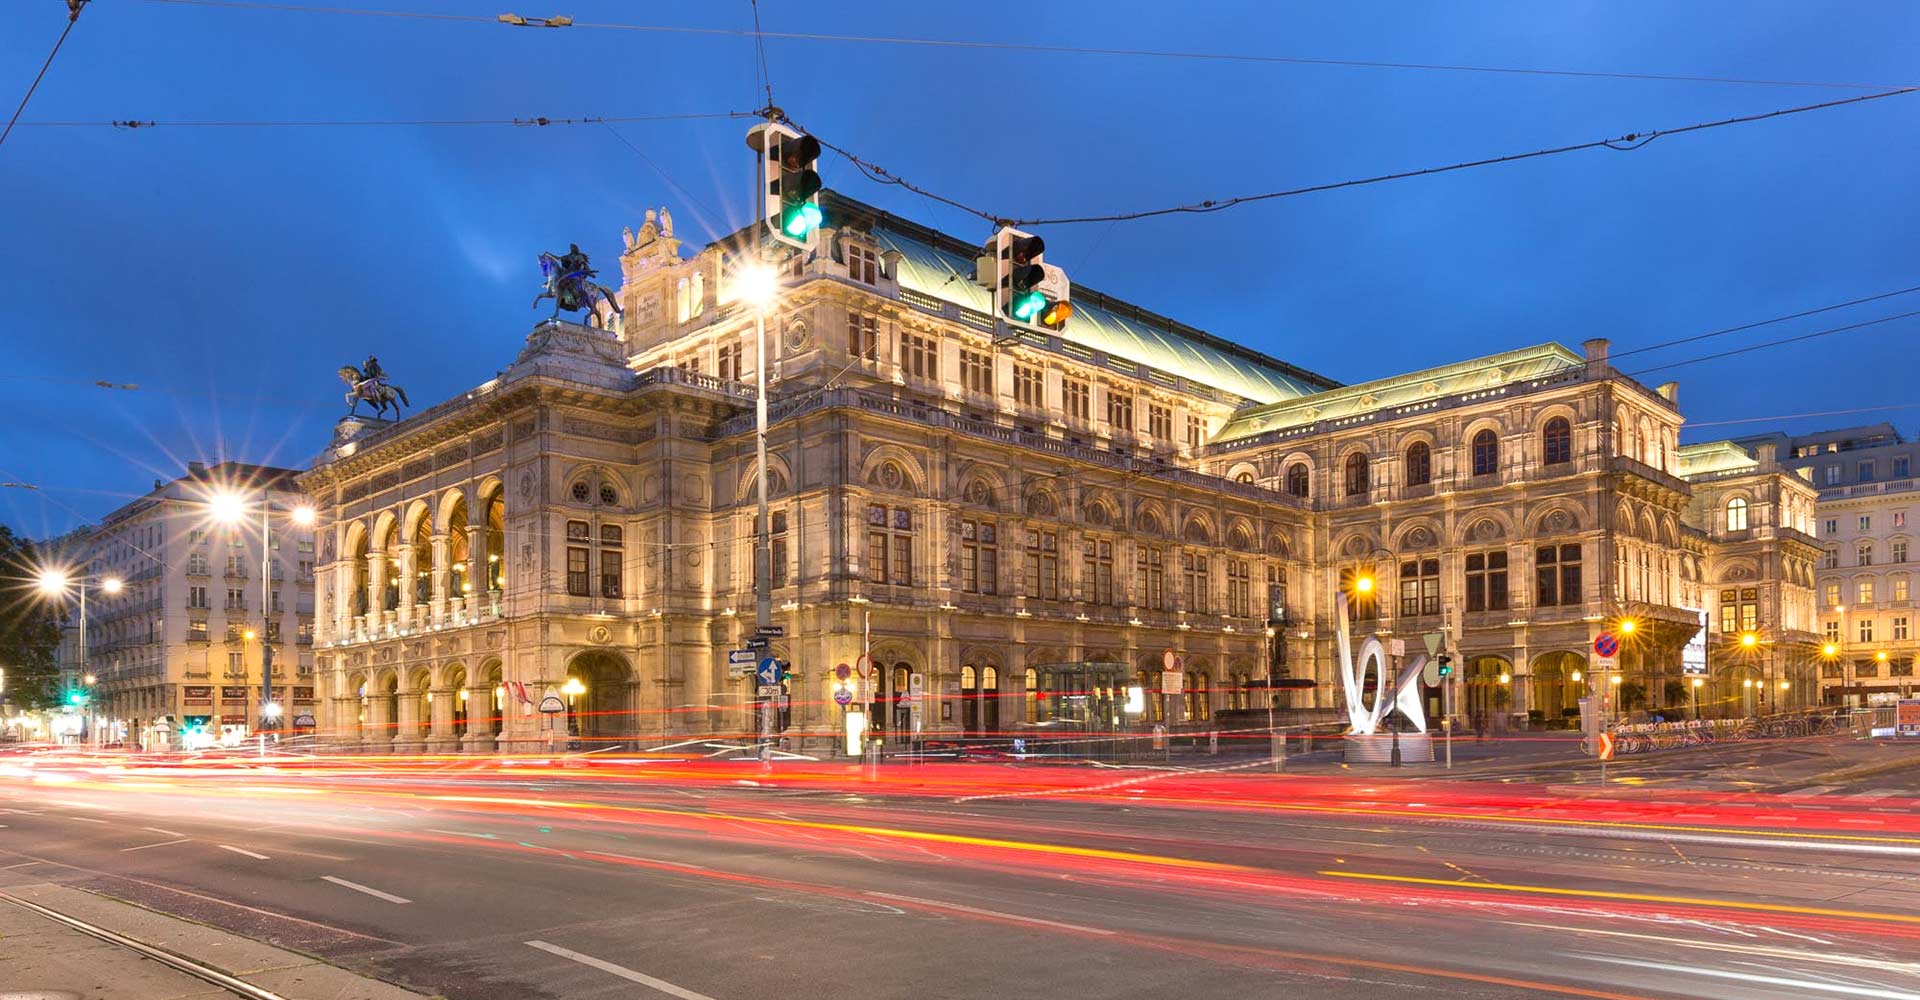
[179, 963]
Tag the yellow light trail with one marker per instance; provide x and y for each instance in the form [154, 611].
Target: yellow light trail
[1631, 897]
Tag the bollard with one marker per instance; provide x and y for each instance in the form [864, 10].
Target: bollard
[1396, 748]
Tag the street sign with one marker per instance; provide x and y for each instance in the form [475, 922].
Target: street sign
[303, 721]
[843, 671]
[741, 656]
[916, 686]
[1397, 647]
[736, 671]
[1433, 641]
[1605, 645]
[1170, 660]
[773, 631]
[1604, 662]
[552, 704]
[842, 696]
[1605, 749]
[767, 690]
[757, 642]
[1906, 717]
[769, 671]
[1430, 674]
[1170, 681]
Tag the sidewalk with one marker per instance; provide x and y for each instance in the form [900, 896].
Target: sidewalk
[42, 957]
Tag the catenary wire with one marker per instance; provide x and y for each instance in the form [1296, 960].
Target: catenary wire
[1768, 322]
[535, 121]
[73, 17]
[1804, 416]
[1776, 343]
[1043, 49]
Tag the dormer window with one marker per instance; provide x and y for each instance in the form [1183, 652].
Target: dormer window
[863, 265]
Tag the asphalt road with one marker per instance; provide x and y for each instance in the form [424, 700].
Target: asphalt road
[481, 880]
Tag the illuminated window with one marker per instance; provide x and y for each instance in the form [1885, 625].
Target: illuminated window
[1420, 587]
[863, 265]
[979, 557]
[1487, 581]
[1737, 514]
[1864, 592]
[863, 337]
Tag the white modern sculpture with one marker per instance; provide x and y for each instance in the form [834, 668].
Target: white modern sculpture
[1398, 692]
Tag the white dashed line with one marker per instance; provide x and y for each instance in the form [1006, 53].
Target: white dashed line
[84, 819]
[989, 913]
[163, 843]
[242, 850]
[170, 833]
[369, 890]
[619, 970]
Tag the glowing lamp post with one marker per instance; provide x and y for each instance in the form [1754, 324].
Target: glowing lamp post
[57, 584]
[230, 507]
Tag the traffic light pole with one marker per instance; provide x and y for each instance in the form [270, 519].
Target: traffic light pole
[266, 615]
[762, 557]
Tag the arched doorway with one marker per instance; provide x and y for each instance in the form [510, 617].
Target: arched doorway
[596, 689]
[1487, 695]
[1559, 681]
[457, 690]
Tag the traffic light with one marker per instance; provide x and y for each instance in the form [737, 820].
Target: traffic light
[76, 698]
[1446, 665]
[792, 203]
[1030, 292]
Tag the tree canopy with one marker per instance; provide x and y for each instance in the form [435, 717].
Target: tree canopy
[29, 627]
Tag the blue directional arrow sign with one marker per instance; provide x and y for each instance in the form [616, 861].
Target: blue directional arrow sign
[769, 671]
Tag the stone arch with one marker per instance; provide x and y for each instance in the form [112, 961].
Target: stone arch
[1278, 545]
[1354, 544]
[1555, 689]
[1417, 535]
[893, 468]
[602, 715]
[1669, 531]
[1098, 507]
[1554, 517]
[1198, 529]
[1040, 502]
[1623, 520]
[1150, 518]
[1648, 528]
[1243, 472]
[416, 511]
[596, 477]
[1240, 535]
[385, 525]
[451, 503]
[1742, 570]
[747, 486]
[1646, 439]
[984, 487]
[1355, 457]
[1486, 525]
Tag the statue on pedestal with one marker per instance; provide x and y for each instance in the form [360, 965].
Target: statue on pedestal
[370, 384]
[569, 284]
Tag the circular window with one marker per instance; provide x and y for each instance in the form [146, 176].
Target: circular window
[607, 495]
[580, 492]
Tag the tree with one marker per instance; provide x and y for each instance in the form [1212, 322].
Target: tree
[1676, 691]
[1633, 696]
[29, 627]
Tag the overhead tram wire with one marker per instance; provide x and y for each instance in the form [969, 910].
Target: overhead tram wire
[539, 121]
[1777, 343]
[1803, 416]
[1044, 49]
[73, 17]
[1767, 322]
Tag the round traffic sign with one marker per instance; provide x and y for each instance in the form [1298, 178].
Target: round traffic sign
[842, 696]
[843, 671]
[1605, 644]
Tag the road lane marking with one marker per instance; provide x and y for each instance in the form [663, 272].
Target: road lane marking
[242, 850]
[369, 890]
[619, 970]
[1875, 991]
[162, 843]
[937, 904]
[1632, 897]
[84, 819]
[170, 833]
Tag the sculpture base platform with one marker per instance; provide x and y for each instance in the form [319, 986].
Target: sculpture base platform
[1377, 748]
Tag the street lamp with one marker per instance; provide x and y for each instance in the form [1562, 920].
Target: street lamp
[56, 583]
[759, 287]
[229, 506]
[1697, 683]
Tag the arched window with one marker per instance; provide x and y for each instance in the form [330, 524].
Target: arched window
[1486, 453]
[1297, 479]
[1737, 514]
[1556, 442]
[1356, 474]
[1419, 464]
[1033, 695]
[1244, 477]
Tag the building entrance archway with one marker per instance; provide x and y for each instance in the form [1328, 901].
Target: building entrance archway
[1487, 695]
[597, 689]
[1559, 681]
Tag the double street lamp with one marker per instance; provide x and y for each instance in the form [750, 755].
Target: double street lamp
[58, 584]
[230, 507]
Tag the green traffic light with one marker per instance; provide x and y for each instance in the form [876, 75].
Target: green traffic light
[1027, 305]
[76, 698]
[799, 220]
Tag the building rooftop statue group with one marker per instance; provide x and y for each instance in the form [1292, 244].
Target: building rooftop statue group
[1002, 537]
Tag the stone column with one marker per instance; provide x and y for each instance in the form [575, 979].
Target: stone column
[376, 587]
[406, 737]
[480, 718]
[406, 583]
[440, 736]
[377, 733]
[347, 731]
[441, 574]
[478, 572]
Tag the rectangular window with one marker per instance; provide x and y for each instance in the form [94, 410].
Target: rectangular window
[196, 597]
[976, 372]
[979, 557]
[1487, 581]
[1043, 565]
[1833, 595]
[863, 337]
[197, 630]
[690, 364]
[197, 564]
[1831, 560]
[612, 561]
[236, 599]
[1098, 563]
[1833, 526]
[1866, 630]
[1833, 475]
[1866, 668]
[1899, 589]
[1159, 422]
[234, 632]
[1193, 568]
[1899, 551]
[1277, 593]
[1864, 593]
[728, 362]
[1029, 386]
[863, 265]
[1865, 553]
[1120, 410]
[1866, 522]
[1729, 610]
[777, 547]
[1900, 632]
[577, 582]
[1900, 467]
[1420, 587]
[236, 566]
[1899, 518]
[920, 356]
[890, 545]
[236, 664]
[1078, 399]
[304, 546]
[197, 536]
[1863, 470]
[1749, 608]
[1196, 431]
[1151, 573]
[1830, 630]
[1239, 588]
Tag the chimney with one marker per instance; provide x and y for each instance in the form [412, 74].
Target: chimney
[1768, 454]
[1670, 391]
[196, 469]
[1596, 350]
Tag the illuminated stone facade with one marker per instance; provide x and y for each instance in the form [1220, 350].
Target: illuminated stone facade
[1030, 525]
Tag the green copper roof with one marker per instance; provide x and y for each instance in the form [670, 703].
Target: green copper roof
[932, 263]
[1400, 390]
[1709, 457]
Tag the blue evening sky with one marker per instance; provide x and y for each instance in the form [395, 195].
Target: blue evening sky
[229, 271]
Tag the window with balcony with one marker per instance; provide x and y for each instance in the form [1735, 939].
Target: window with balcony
[976, 372]
[1029, 385]
[1557, 580]
[863, 337]
[1833, 595]
[1486, 453]
[197, 564]
[979, 557]
[1419, 464]
[1419, 587]
[1737, 514]
[1863, 592]
[890, 545]
[236, 565]
[1899, 584]
[727, 362]
[1487, 580]
[1297, 479]
[236, 599]
[1078, 399]
[1043, 565]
